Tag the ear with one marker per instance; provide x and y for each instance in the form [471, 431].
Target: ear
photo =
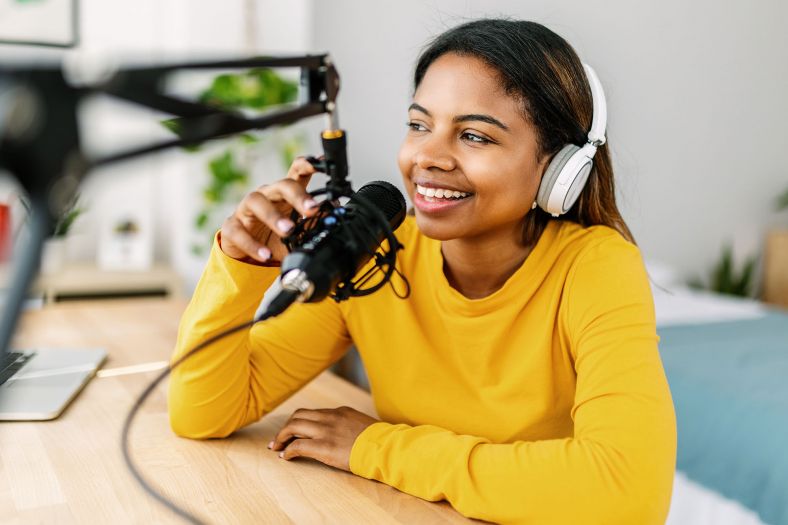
[544, 160]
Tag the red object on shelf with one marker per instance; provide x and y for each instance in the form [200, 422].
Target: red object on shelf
[5, 232]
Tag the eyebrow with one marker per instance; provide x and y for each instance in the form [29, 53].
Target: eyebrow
[466, 118]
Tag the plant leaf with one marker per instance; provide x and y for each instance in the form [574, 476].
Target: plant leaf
[744, 282]
[174, 125]
[202, 220]
[255, 89]
[248, 138]
[721, 275]
[290, 151]
[782, 201]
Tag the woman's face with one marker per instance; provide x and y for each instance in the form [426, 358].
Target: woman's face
[470, 159]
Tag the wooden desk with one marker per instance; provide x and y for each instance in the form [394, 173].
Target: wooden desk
[71, 470]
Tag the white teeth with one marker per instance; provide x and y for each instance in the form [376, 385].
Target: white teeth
[440, 193]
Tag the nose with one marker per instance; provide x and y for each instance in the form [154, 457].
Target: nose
[434, 152]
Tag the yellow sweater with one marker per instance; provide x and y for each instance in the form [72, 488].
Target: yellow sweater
[545, 402]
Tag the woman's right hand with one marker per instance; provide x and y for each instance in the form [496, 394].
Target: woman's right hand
[253, 233]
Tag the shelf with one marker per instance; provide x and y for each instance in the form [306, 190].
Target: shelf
[87, 281]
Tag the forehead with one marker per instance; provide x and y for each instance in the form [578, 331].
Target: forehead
[464, 84]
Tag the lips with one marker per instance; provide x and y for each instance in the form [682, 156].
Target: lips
[426, 203]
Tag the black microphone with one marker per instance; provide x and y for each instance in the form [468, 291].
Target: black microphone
[340, 245]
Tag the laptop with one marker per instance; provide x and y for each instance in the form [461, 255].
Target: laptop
[35, 383]
[39, 384]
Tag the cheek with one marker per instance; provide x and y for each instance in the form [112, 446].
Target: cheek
[404, 160]
[511, 182]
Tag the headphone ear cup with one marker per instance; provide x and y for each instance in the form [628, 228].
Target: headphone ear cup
[578, 184]
[552, 172]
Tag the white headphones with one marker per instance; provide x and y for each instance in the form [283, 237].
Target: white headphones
[567, 173]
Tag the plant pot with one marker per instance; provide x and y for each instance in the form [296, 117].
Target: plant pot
[53, 256]
[775, 275]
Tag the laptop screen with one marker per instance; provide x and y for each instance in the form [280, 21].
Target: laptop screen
[13, 236]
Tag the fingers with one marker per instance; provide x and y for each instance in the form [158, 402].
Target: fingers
[247, 231]
[257, 207]
[316, 414]
[301, 171]
[263, 216]
[297, 428]
[233, 231]
[305, 423]
[305, 448]
[291, 192]
[326, 435]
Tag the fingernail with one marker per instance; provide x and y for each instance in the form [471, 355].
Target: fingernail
[264, 253]
[284, 225]
[270, 444]
[310, 203]
[281, 454]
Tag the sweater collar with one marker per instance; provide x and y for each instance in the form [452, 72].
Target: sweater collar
[518, 289]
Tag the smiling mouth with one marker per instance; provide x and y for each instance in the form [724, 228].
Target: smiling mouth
[441, 194]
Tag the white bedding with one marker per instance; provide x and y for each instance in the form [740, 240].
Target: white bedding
[694, 504]
[677, 305]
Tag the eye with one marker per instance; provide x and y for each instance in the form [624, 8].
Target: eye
[474, 138]
[415, 126]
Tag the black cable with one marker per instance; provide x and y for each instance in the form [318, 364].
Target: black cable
[346, 289]
[144, 396]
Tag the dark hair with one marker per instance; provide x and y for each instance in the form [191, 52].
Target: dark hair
[541, 69]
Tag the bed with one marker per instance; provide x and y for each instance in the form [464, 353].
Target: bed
[726, 360]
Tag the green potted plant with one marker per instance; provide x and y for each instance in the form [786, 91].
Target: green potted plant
[53, 257]
[725, 278]
[229, 170]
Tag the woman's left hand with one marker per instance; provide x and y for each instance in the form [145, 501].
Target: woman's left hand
[326, 435]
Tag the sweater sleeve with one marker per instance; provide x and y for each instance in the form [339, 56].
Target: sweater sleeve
[617, 467]
[240, 378]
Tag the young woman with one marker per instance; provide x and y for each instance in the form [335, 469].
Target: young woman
[521, 380]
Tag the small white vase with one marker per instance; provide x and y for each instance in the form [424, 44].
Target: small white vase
[53, 256]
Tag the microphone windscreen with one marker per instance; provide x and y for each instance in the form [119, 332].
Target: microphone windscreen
[387, 198]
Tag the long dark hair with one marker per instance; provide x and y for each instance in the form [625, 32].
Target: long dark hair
[540, 68]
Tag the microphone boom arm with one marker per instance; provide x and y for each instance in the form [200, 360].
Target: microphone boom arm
[199, 122]
[40, 144]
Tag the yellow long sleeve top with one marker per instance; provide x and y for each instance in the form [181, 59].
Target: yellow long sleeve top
[545, 402]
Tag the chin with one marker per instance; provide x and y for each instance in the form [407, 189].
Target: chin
[440, 230]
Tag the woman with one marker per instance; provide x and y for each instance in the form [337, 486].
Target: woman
[521, 380]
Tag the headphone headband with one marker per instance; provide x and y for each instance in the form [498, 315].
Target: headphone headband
[566, 175]
[596, 134]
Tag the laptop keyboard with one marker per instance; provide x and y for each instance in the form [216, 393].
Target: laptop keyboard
[11, 362]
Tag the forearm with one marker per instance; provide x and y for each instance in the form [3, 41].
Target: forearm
[210, 393]
[553, 481]
[237, 380]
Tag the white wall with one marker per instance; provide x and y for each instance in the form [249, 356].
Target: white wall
[696, 93]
